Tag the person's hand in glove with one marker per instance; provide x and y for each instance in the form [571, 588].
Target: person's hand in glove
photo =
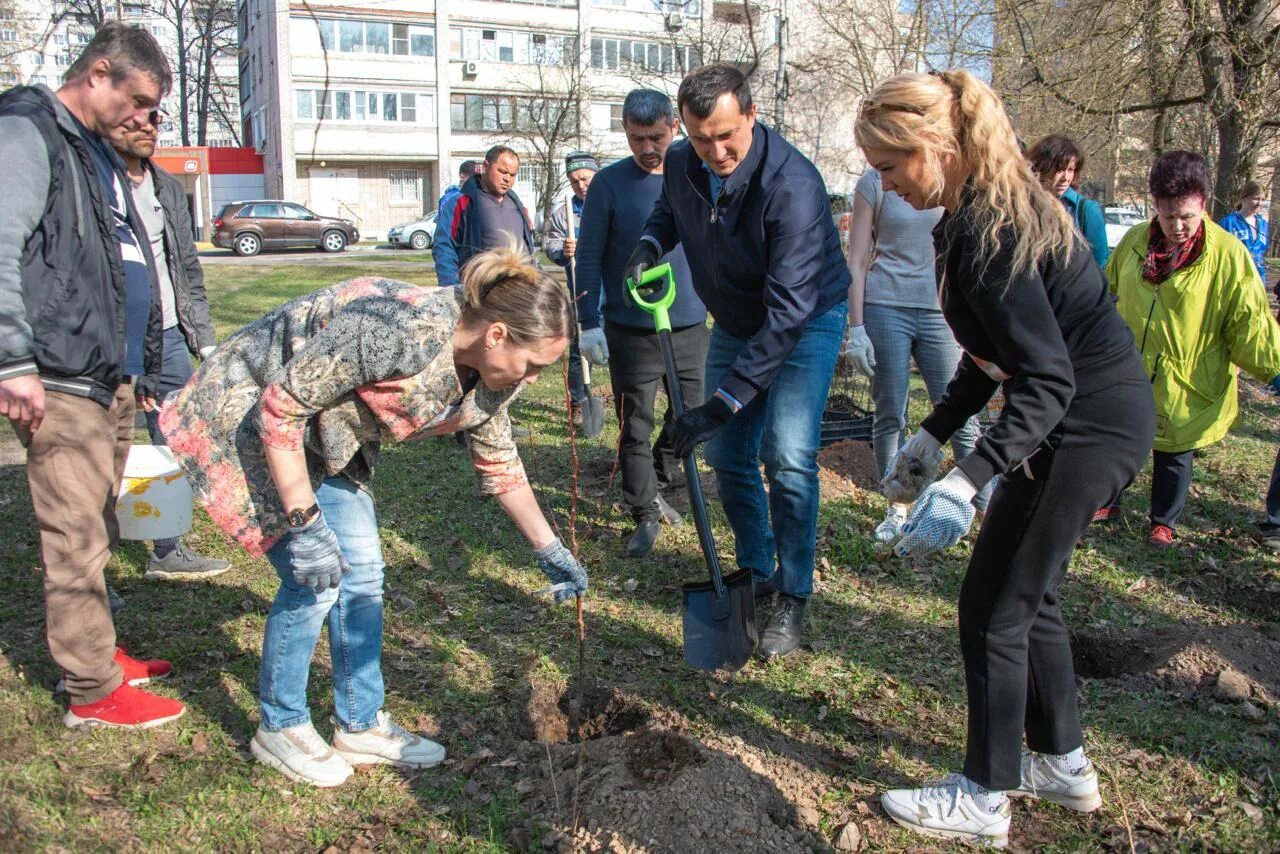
[859, 352]
[644, 256]
[697, 425]
[942, 515]
[594, 346]
[315, 557]
[561, 567]
[914, 468]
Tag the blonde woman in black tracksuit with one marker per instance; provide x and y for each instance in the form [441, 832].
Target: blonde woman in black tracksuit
[1031, 309]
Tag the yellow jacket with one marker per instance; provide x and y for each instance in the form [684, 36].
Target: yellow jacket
[1191, 329]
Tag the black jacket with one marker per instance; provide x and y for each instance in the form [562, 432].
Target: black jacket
[184, 262]
[1049, 335]
[72, 275]
[765, 259]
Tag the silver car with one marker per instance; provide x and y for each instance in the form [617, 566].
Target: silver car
[1119, 221]
[418, 234]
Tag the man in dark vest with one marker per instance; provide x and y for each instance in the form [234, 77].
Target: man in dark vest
[80, 332]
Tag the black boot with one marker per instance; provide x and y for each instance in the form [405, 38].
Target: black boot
[641, 542]
[785, 626]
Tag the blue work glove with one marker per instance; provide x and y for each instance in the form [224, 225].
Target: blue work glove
[697, 425]
[644, 256]
[914, 468]
[942, 515]
[561, 567]
[314, 556]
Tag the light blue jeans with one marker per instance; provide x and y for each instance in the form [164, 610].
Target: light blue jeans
[354, 612]
[898, 335]
[780, 428]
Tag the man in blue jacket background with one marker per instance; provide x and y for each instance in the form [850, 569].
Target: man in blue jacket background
[754, 217]
[485, 213]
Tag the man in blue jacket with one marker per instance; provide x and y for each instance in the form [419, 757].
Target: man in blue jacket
[755, 220]
[485, 213]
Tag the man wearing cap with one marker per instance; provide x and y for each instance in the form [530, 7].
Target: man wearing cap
[622, 197]
[579, 167]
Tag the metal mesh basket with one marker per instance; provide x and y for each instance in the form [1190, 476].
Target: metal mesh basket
[848, 413]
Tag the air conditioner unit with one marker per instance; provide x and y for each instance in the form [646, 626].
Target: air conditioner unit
[675, 22]
[470, 69]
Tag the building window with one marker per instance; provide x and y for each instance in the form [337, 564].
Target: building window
[606, 117]
[504, 112]
[62, 60]
[688, 8]
[405, 185]
[626, 55]
[363, 107]
[135, 11]
[12, 36]
[511, 46]
[375, 37]
[410, 40]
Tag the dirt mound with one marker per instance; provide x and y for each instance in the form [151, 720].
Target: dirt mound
[847, 468]
[1185, 659]
[658, 790]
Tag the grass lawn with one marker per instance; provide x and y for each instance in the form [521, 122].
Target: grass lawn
[877, 700]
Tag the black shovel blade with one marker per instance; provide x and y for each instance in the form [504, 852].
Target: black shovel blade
[720, 631]
[592, 416]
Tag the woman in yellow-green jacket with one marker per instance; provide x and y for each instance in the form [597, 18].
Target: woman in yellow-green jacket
[1191, 295]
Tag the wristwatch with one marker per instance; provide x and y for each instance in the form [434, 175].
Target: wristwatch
[299, 518]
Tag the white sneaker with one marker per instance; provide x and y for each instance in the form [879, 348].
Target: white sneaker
[887, 531]
[386, 744]
[300, 754]
[1042, 778]
[947, 809]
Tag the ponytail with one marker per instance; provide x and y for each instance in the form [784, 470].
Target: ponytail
[502, 285]
[954, 115]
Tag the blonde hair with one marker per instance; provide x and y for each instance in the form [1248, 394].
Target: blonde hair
[502, 285]
[954, 115]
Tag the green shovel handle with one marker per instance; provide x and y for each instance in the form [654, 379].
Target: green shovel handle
[660, 300]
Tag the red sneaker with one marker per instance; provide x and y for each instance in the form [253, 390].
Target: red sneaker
[1107, 514]
[125, 707]
[1161, 537]
[135, 672]
[140, 672]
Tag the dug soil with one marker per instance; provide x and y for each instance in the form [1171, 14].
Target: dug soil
[847, 469]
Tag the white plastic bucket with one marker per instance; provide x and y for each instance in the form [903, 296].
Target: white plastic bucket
[155, 498]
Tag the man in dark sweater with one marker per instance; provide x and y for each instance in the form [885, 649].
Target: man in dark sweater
[485, 213]
[754, 217]
[619, 202]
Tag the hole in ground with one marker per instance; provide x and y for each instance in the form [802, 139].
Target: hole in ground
[553, 715]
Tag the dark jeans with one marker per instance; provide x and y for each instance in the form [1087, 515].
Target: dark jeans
[636, 370]
[175, 370]
[577, 377]
[1271, 525]
[781, 427]
[1170, 482]
[1017, 653]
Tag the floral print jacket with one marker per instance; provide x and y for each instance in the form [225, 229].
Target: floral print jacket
[336, 372]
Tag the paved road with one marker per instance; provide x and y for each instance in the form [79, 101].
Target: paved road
[381, 253]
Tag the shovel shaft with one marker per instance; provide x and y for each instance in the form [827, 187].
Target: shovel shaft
[696, 502]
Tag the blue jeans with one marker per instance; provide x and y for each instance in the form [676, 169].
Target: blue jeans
[898, 335]
[175, 370]
[354, 612]
[780, 427]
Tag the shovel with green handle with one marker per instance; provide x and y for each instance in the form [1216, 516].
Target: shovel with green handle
[719, 615]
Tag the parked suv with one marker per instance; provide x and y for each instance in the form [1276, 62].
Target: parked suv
[249, 227]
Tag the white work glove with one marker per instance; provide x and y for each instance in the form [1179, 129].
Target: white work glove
[942, 515]
[914, 468]
[206, 352]
[859, 352]
[593, 345]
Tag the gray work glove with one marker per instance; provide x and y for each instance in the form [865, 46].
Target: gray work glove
[561, 567]
[314, 556]
[858, 352]
[593, 345]
[914, 468]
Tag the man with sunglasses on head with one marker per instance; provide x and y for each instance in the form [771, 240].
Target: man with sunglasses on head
[188, 329]
[80, 333]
